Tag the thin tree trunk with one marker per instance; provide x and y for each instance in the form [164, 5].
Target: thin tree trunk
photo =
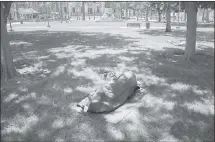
[126, 10]
[191, 30]
[203, 15]
[68, 11]
[17, 11]
[207, 16]
[62, 12]
[94, 16]
[11, 29]
[83, 10]
[173, 15]
[141, 14]
[159, 16]
[48, 16]
[8, 68]
[120, 10]
[147, 14]
[168, 18]
[151, 14]
[138, 14]
[185, 16]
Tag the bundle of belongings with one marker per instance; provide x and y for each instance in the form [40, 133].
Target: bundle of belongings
[112, 94]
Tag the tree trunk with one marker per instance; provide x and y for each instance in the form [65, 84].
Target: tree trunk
[48, 15]
[207, 16]
[120, 10]
[191, 30]
[185, 16]
[68, 16]
[173, 15]
[168, 18]
[203, 15]
[8, 70]
[147, 14]
[159, 16]
[151, 14]
[88, 13]
[17, 11]
[59, 8]
[62, 12]
[10, 18]
[94, 16]
[83, 10]
[141, 14]
[126, 10]
[137, 14]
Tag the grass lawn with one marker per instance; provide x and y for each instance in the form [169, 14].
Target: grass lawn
[61, 65]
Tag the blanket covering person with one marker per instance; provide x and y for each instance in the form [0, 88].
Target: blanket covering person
[111, 95]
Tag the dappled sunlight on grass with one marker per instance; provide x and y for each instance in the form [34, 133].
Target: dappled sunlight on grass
[85, 89]
[78, 62]
[34, 69]
[126, 59]
[157, 103]
[180, 86]
[30, 54]
[23, 88]
[205, 108]
[72, 65]
[20, 43]
[44, 100]
[59, 70]
[28, 96]
[20, 124]
[88, 73]
[11, 97]
[42, 133]
[58, 123]
[116, 134]
[68, 90]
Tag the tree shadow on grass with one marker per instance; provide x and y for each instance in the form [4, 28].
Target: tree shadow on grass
[201, 35]
[42, 108]
[165, 77]
[55, 78]
[187, 88]
[170, 84]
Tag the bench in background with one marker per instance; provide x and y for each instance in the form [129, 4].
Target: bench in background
[133, 25]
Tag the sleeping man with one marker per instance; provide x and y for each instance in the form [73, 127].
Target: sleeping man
[111, 95]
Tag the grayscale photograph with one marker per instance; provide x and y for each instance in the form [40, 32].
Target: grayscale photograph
[107, 71]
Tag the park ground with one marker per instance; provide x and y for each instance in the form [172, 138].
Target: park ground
[62, 64]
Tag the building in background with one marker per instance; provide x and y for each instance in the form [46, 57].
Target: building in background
[23, 11]
[91, 8]
[28, 13]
